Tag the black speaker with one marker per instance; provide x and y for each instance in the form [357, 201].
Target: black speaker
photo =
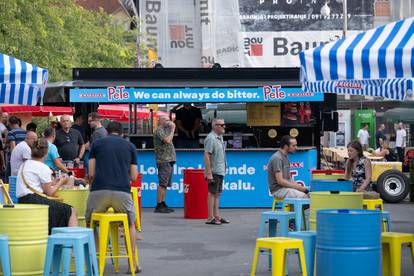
[330, 102]
[330, 121]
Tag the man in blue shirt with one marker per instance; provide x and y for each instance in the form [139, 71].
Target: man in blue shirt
[112, 165]
[53, 159]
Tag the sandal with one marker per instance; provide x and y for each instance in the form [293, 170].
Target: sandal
[213, 221]
[222, 220]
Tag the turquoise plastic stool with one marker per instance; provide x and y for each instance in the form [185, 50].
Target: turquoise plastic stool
[386, 217]
[91, 242]
[298, 204]
[273, 217]
[309, 243]
[5, 255]
[59, 247]
[12, 188]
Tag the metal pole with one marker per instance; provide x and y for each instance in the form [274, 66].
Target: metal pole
[345, 14]
[130, 119]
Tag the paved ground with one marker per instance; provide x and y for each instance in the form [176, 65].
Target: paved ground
[175, 246]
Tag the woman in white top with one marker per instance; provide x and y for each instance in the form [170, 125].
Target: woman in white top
[34, 182]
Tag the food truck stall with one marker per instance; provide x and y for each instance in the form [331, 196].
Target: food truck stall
[259, 105]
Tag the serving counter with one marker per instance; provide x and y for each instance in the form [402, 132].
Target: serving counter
[245, 184]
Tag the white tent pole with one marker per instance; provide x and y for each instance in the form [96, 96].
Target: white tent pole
[345, 15]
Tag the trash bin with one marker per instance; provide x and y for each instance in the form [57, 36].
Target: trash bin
[327, 174]
[195, 194]
[348, 243]
[138, 184]
[331, 185]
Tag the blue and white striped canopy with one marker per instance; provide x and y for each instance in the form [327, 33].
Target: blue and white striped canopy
[20, 82]
[378, 62]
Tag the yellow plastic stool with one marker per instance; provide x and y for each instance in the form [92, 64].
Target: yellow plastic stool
[280, 200]
[111, 221]
[372, 204]
[391, 251]
[279, 247]
[375, 204]
[134, 194]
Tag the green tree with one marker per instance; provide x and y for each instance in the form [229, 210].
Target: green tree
[60, 35]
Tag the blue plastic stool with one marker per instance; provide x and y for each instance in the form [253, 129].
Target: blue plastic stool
[5, 255]
[309, 243]
[91, 242]
[12, 188]
[386, 218]
[298, 204]
[273, 217]
[59, 247]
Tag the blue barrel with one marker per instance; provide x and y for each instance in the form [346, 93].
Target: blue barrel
[348, 243]
[331, 185]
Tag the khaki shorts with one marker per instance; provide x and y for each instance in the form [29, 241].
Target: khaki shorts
[289, 193]
[100, 201]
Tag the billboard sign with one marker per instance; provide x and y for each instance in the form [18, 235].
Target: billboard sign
[120, 94]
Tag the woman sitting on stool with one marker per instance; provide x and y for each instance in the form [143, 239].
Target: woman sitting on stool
[34, 185]
[358, 168]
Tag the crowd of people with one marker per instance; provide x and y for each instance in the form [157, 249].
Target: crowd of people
[382, 142]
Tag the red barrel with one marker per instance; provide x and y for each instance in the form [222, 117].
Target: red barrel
[195, 194]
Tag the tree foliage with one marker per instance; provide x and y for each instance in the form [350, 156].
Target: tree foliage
[60, 35]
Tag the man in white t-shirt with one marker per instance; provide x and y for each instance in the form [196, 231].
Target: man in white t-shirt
[22, 152]
[363, 136]
[400, 141]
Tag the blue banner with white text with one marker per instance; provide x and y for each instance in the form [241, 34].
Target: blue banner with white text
[245, 184]
[120, 94]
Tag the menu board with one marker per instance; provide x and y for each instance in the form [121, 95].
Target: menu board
[263, 114]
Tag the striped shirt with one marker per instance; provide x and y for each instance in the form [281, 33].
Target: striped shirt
[16, 134]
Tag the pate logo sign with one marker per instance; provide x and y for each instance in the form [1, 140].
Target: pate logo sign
[117, 93]
[253, 46]
[273, 92]
[181, 36]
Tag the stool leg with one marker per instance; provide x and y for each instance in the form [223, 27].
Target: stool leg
[272, 227]
[48, 259]
[79, 249]
[412, 251]
[255, 257]
[89, 265]
[92, 253]
[279, 260]
[5, 262]
[303, 219]
[283, 228]
[298, 219]
[274, 204]
[386, 259]
[57, 257]
[103, 243]
[129, 248]
[115, 244]
[395, 252]
[262, 227]
[66, 256]
[138, 217]
[303, 260]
